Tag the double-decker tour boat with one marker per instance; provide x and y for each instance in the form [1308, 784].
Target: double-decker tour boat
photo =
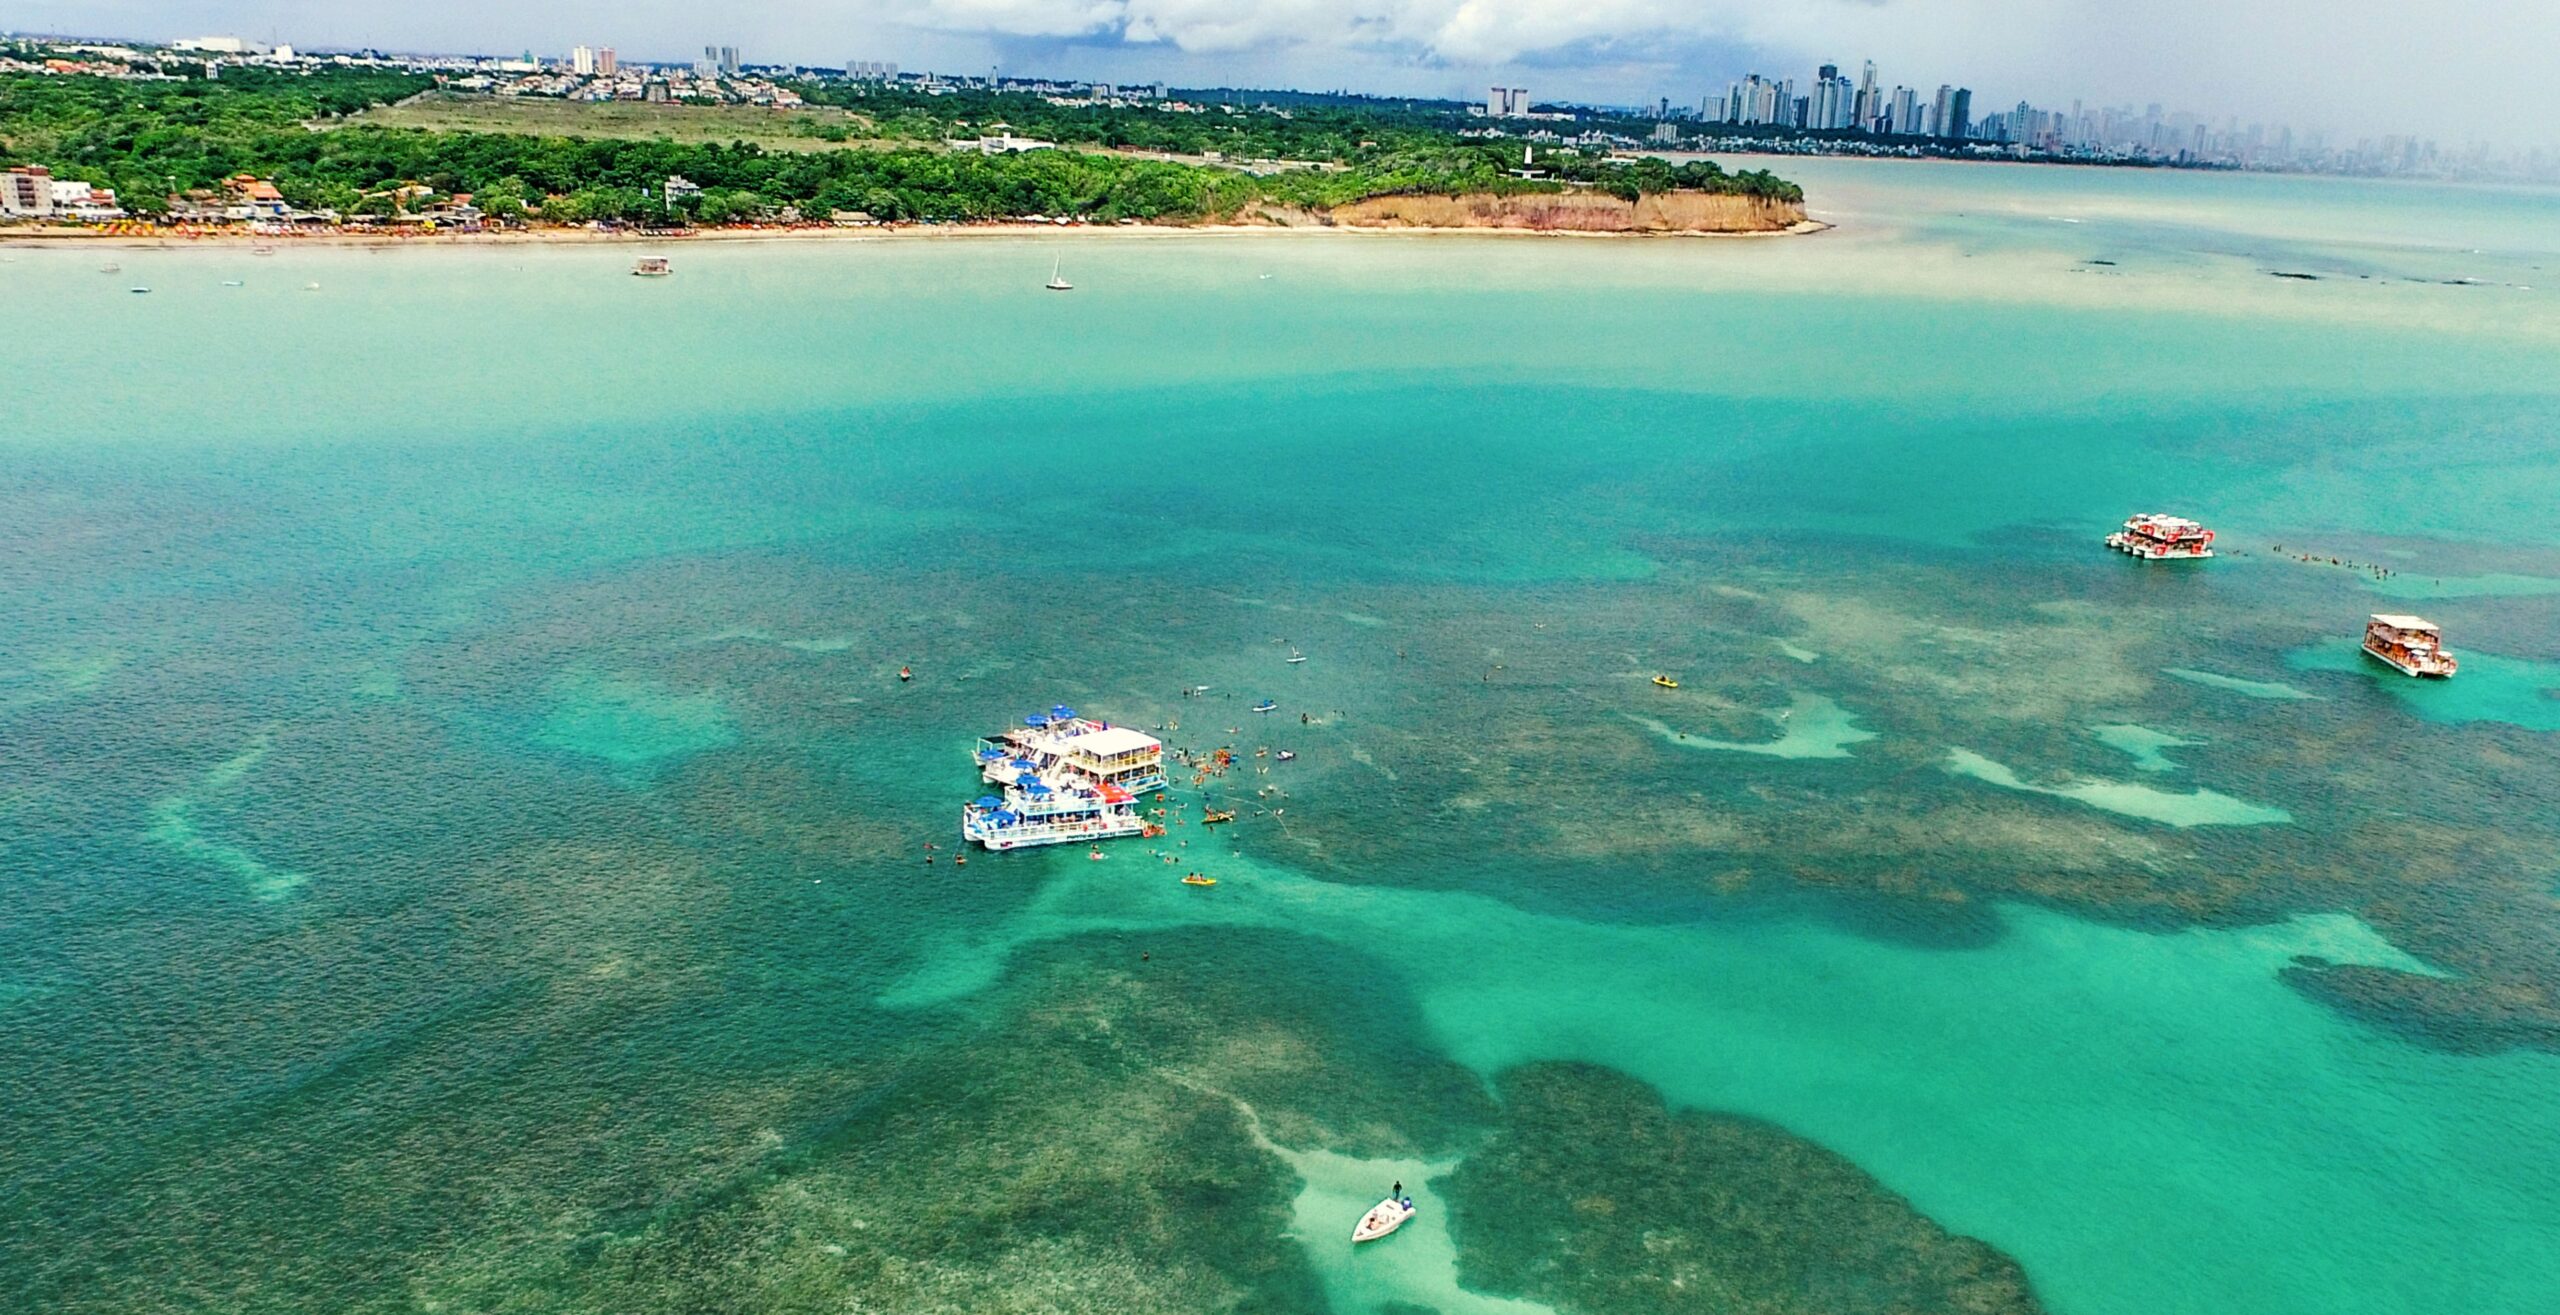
[2155, 537]
[2414, 646]
[1064, 778]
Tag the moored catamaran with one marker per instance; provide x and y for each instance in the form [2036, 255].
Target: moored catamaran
[2155, 537]
[1064, 778]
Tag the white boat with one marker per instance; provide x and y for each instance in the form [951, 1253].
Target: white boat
[1383, 1218]
[2156, 537]
[1062, 779]
[2413, 646]
[1057, 283]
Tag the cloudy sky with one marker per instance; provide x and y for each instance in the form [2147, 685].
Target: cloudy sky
[2457, 69]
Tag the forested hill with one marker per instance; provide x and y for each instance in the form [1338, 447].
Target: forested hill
[882, 155]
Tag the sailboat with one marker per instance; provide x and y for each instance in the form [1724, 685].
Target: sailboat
[1056, 282]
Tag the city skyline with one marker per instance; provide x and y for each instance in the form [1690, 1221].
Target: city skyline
[2296, 75]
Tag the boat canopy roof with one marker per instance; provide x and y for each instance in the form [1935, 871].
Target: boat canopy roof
[1112, 741]
[2403, 622]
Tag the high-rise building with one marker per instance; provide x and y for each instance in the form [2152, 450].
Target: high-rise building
[1906, 120]
[1507, 103]
[27, 190]
[1963, 114]
[582, 61]
[605, 63]
[720, 59]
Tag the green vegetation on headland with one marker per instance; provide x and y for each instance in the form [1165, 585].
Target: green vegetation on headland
[150, 140]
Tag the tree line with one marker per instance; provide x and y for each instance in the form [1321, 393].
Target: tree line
[148, 139]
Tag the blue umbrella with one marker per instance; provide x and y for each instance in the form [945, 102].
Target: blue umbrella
[1035, 721]
[1005, 817]
[1026, 779]
[989, 801]
[989, 755]
[1038, 789]
[1062, 713]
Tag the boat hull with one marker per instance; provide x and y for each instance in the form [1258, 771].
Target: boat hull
[1032, 835]
[1383, 1218]
[2441, 668]
[2150, 551]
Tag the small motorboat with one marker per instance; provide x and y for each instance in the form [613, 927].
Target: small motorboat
[1195, 879]
[1383, 1218]
[1296, 657]
[1212, 817]
[652, 267]
[1266, 706]
[905, 673]
[1286, 755]
[1666, 682]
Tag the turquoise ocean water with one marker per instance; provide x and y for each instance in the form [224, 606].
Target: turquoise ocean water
[464, 840]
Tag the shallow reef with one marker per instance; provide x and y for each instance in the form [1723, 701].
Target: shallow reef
[1595, 1198]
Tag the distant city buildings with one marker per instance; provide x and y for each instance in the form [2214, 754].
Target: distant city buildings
[1507, 103]
[1833, 115]
[1832, 103]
